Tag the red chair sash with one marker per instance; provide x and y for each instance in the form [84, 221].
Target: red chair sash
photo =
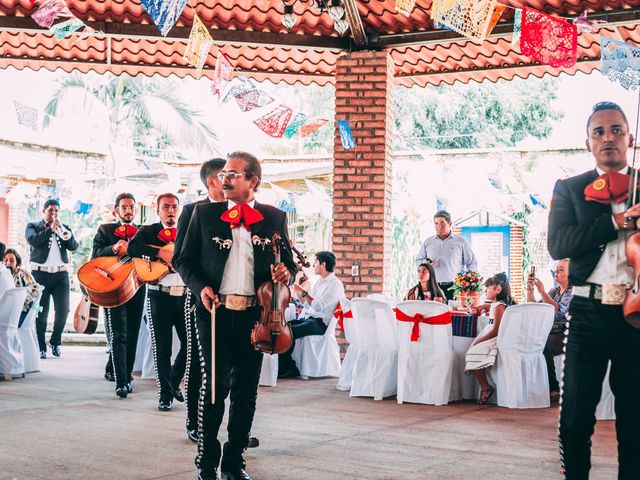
[418, 318]
[340, 315]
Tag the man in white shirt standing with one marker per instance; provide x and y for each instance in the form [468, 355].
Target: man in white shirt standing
[448, 253]
[50, 241]
[318, 308]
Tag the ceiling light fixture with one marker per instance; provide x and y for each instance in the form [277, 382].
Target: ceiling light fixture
[333, 7]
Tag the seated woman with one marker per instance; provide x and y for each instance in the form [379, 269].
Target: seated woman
[427, 287]
[22, 278]
[483, 350]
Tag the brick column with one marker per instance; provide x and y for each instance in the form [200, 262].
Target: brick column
[362, 176]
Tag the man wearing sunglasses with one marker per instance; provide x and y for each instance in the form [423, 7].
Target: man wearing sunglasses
[225, 256]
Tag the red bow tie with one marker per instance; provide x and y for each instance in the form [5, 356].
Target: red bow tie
[242, 214]
[612, 186]
[126, 231]
[167, 235]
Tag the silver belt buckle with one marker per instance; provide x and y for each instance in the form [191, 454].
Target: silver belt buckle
[236, 302]
[176, 291]
[613, 294]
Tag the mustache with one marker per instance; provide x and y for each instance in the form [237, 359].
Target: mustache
[226, 186]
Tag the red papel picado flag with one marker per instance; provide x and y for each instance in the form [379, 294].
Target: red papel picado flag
[242, 214]
[126, 232]
[608, 187]
[167, 235]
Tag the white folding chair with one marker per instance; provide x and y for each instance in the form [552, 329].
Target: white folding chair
[520, 372]
[318, 355]
[11, 357]
[606, 406]
[29, 338]
[351, 335]
[375, 370]
[425, 366]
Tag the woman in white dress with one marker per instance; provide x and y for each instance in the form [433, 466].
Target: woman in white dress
[483, 350]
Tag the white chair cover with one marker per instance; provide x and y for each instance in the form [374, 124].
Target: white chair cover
[11, 357]
[269, 372]
[141, 348]
[520, 372]
[29, 339]
[606, 407]
[383, 298]
[375, 370]
[426, 367]
[318, 355]
[351, 335]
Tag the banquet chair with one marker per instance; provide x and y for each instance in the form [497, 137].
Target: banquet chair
[378, 296]
[375, 369]
[269, 371]
[29, 338]
[318, 355]
[351, 335]
[606, 406]
[520, 372]
[11, 357]
[426, 366]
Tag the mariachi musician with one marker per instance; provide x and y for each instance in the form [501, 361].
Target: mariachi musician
[167, 301]
[193, 374]
[589, 223]
[225, 257]
[50, 241]
[123, 322]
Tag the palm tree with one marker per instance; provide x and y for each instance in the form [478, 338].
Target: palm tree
[147, 115]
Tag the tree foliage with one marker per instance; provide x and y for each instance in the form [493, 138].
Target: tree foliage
[476, 115]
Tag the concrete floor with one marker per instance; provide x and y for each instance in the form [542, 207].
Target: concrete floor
[66, 423]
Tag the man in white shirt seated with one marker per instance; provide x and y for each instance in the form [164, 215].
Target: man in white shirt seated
[318, 308]
[6, 280]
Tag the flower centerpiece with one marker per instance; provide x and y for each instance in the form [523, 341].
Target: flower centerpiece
[467, 288]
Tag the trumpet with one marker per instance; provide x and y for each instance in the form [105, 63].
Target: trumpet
[63, 232]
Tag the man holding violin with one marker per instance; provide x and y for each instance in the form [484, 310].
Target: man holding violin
[166, 301]
[226, 255]
[112, 239]
[590, 221]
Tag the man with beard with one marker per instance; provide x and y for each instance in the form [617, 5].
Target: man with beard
[167, 302]
[225, 257]
[123, 322]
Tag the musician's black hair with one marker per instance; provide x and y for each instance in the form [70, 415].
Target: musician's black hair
[51, 201]
[124, 196]
[328, 258]
[254, 169]
[164, 195]
[10, 250]
[606, 105]
[211, 168]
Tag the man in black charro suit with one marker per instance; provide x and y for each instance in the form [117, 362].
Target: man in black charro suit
[589, 222]
[224, 258]
[167, 301]
[123, 322]
[50, 241]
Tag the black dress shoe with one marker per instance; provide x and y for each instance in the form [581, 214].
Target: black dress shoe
[122, 392]
[43, 354]
[110, 376]
[193, 435]
[164, 405]
[236, 474]
[55, 349]
[177, 394]
[207, 475]
[129, 387]
[253, 442]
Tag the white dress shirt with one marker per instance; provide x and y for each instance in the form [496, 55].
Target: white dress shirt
[449, 256]
[54, 259]
[612, 268]
[237, 278]
[326, 294]
[172, 279]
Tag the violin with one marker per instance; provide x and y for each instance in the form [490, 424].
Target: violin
[302, 262]
[272, 334]
[631, 306]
